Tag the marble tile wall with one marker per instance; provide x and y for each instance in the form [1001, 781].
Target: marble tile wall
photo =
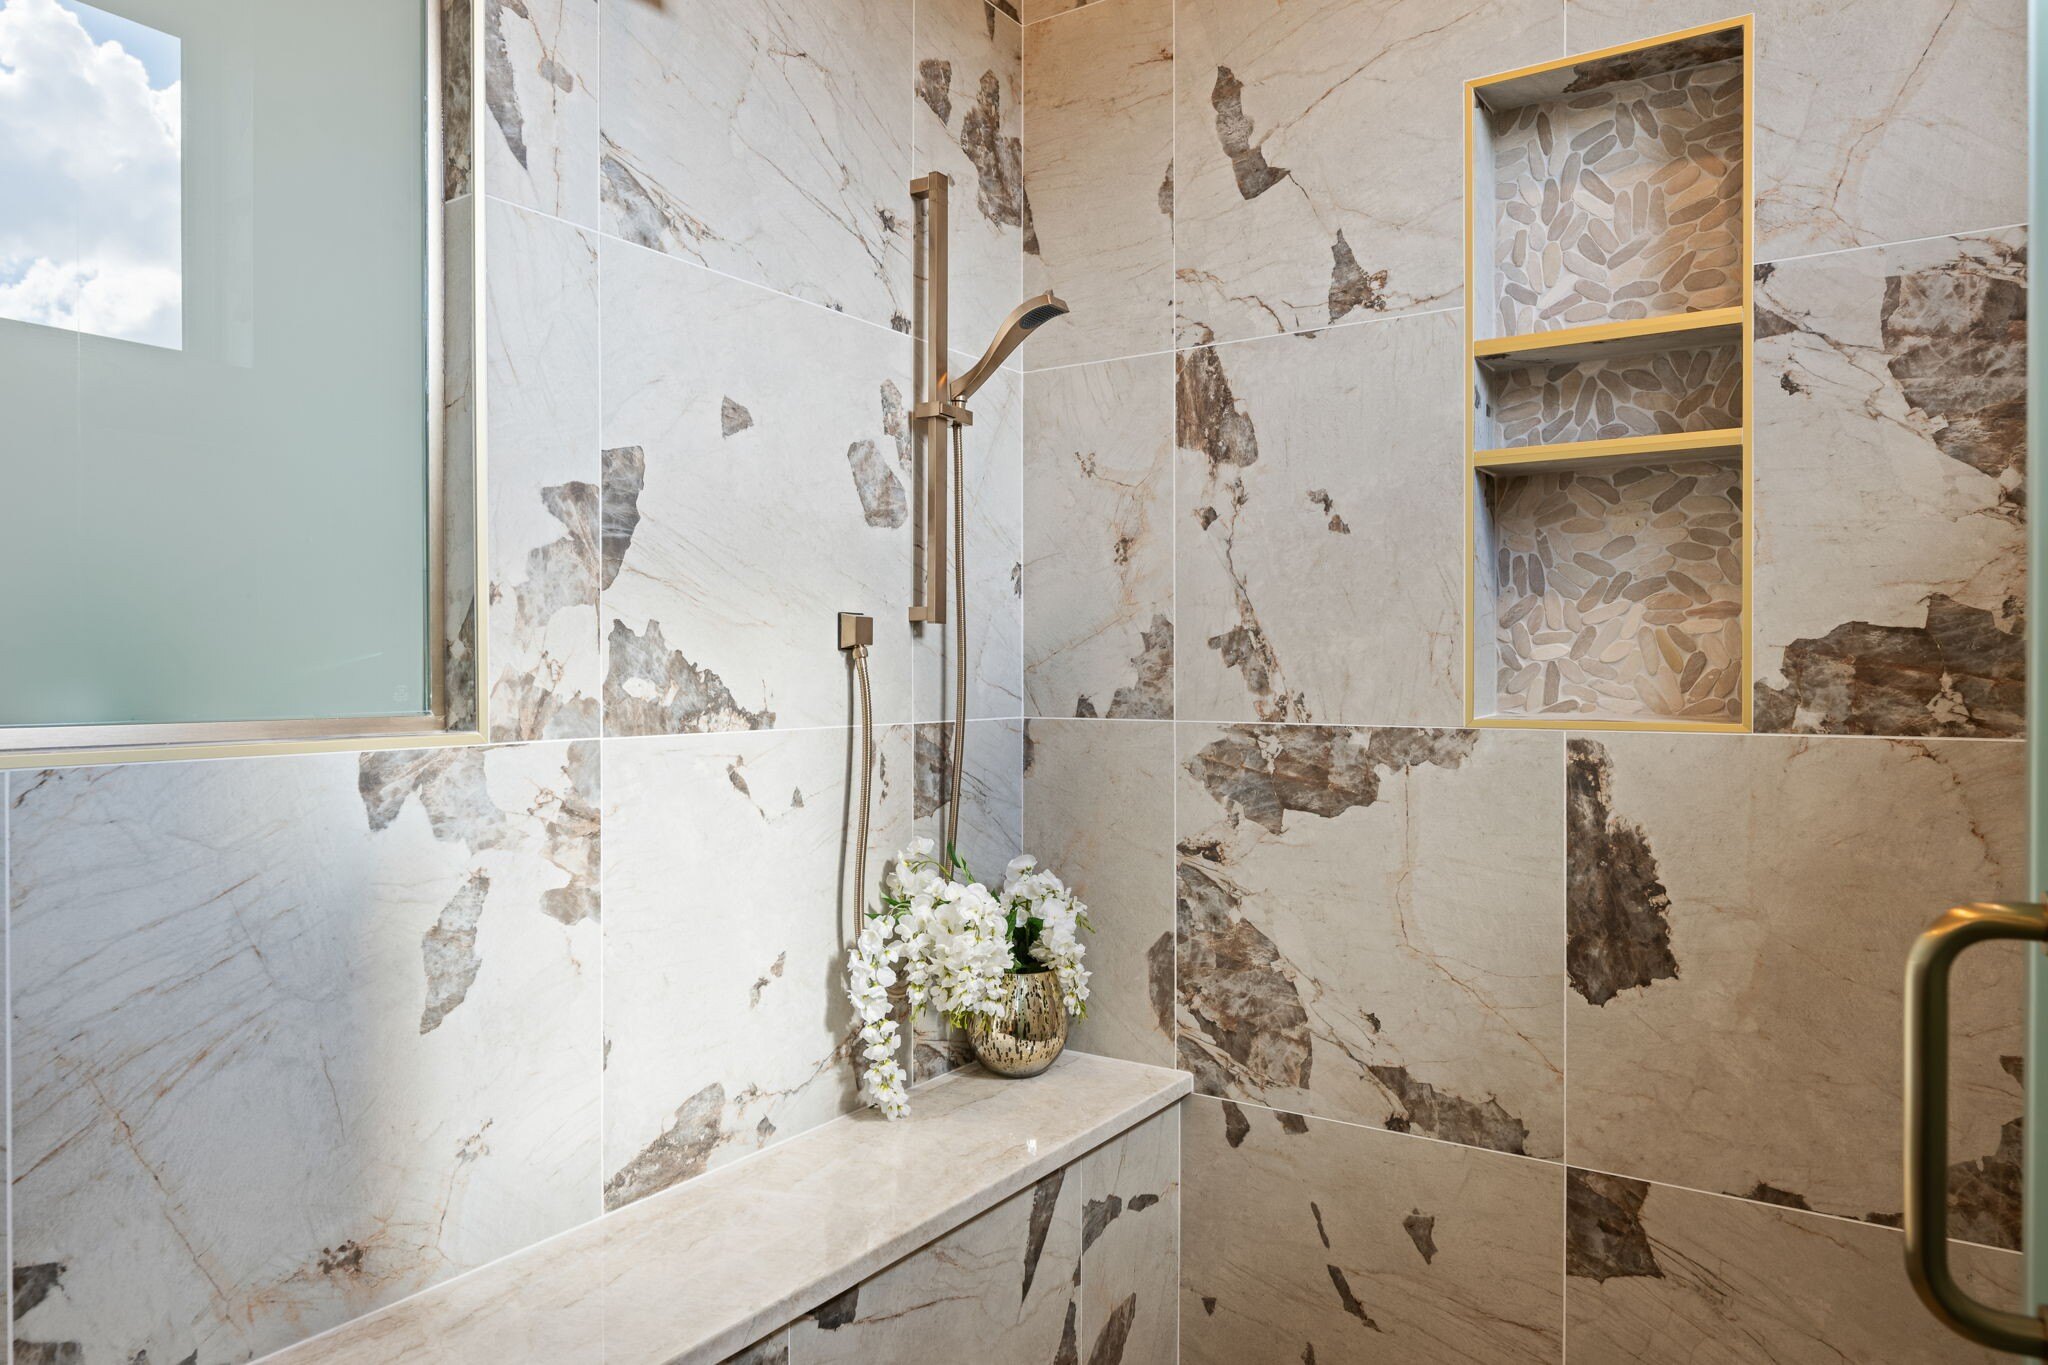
[1081, 1266]
[295, 1037]
[1241, 672]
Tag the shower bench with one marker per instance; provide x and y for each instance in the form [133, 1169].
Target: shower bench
[726, 1261]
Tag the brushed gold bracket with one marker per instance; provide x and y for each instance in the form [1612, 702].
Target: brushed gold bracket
[1926, 1222]
[932, 411]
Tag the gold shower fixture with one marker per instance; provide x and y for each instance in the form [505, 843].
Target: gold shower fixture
[941, 408]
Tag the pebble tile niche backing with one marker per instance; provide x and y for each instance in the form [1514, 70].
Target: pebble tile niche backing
[1688, 389]
[1612, 590]
[1620, 591]
[1624, 201]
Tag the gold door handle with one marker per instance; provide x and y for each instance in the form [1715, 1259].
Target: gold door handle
[1927, 977]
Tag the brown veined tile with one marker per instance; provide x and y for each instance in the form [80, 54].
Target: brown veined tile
[1877, 122]
[1740, 908]
[1008, 1279]
[1890, 477]
[1368, 926]
[1098, 89]
[1317, 479]
[1130, 1246]
[1311, 187]
[1654, 1273]
[1303, 1240]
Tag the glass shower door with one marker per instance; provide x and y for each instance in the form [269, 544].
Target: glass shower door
[2023, 1328]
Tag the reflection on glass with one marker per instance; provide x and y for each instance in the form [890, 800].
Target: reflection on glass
[90, 126]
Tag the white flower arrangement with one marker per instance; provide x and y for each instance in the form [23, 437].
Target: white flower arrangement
[949, 941]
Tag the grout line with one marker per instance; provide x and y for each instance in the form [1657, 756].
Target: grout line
[603, 651]
[1563, 1165]
[1903, 241]
[1369, 320]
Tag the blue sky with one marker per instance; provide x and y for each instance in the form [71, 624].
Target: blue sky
[156, 50]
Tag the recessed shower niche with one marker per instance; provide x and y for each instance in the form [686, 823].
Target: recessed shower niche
[1607, 442]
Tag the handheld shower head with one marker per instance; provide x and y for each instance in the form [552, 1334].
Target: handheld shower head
[1026, 318]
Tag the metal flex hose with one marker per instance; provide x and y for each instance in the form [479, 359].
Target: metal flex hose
[867, 767]
[959, 745]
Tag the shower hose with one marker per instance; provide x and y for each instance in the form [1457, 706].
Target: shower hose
[957, 750]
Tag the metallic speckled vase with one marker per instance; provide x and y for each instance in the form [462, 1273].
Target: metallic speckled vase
[1029, 1033]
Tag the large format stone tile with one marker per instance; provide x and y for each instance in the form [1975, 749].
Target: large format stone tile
[969, 117]
[1002, 1288]
[1740, 912]
[766, 139]
[757, 483]
[1320, 152]
[1890, 477]
[1875, 121]
[1130, 1246]
[1098, 89]
[1313, 1241]
[1098, 540]
[1320, 526]
[1660, 1274]
[1098, 811]
[543, 488]
[728, 903]
[1369, 926]
[995, 576]
[294, 1038]
[541, 92]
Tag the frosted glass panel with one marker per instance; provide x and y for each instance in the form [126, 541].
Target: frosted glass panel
[213, 358]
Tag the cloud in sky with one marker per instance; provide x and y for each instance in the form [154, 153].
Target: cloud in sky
[90, 235]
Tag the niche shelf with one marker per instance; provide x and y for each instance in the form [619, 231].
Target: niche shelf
[1608, 479]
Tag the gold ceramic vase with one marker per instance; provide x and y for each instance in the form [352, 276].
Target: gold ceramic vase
[1029, 1032]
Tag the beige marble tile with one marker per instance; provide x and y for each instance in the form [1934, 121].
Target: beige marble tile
[542, 322]
[294, 1037]
[1001, 1288]
[1130, 1246]
[1890, 477]
[727, 907]
[769, 1350]
[711, 1267]
[1306, 1240]
[1370, 927]
[1320, 154]
[1034, 10]
[766, 139]
[541, 95]
[1875, 121]
[1660, 1274]
[969, 119]
[1098, 540]
[1098, 811]
[1320, 525]
[1098, 90]
[757, 483]
[1740, 910]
